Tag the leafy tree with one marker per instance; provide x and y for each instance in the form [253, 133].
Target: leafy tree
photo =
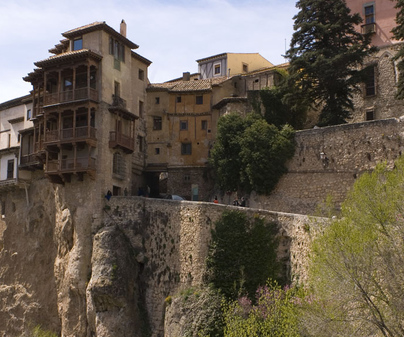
[242, 255]
[357, 266]
[274, 315]
[325, 56]
[280, 106]
[249, 154]
[264, 151]
[225, 153]
[398, 33]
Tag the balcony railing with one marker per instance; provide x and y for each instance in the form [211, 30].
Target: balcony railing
[369, 28]
[79, 133]
[71, 95]
[29, 159]
[118, 102]
[119, 139]
[70, 165]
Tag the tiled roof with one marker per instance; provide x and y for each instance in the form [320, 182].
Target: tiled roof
[99, 26]
[263, 70]
[69, 55]
[187, 86]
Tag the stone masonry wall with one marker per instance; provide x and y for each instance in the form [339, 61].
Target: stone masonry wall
[171, 241]
[348, 151]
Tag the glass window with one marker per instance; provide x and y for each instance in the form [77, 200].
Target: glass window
[186, 148]
[178, 99]
[369, 14]
[141, 74]
[183, 125]
[157, 123]
[370, 84]
[217, 69]
[204, 125]
[78, 44]
[199, 99]
[29, 114]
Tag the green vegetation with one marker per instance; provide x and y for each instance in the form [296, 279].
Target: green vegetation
[274, 315]
[357, 269]
[37, 331]
[242, 255]
[250, 154]
[325, 55]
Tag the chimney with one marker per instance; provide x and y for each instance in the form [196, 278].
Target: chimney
[123, 28]
[186, 76]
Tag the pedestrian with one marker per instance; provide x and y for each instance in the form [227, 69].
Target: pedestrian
[216, 201]
[242, 202]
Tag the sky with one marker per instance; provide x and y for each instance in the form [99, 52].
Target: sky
[173, 34]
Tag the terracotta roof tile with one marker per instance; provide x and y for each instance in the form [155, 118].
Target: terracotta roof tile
[67, 55]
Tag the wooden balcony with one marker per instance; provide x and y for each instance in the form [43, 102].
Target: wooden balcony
[70, 96]
[71, 135]
[70, 165]
[117, 139]
[30, 161]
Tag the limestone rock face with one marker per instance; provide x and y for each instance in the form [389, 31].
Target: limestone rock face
[27, 283]
[112, 291]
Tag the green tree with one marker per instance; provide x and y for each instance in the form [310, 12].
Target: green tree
[264, 152]
[242, 255]
[357, 266]
[249, 154]
[280, 105]
[326, 54]
[398, 33]
[225, 157]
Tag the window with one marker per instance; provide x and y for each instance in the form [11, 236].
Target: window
[183, 125]
[204, 125]
[217, 69]
[117, 89]
[78, 44]
[186, 148]
[370, 115]
[3, 209]
[157, 123]
[10, 169]
[187, 177]
[178, 99]
[157, 150]
[199, 100]
[157, 100]
[141, 107]
[141, 74]
[29, 114]
[140, 141]
[118, 165]
[245, 68]
[117, 49]
[370, 85]
[369, 10]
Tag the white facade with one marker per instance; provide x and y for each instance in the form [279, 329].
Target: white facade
[14, 117]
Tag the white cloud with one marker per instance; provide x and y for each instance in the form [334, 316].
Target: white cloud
[172, 34]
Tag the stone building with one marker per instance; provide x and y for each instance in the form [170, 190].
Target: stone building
[230, 64]
[88, 110]
[181, 131]
[376, 98]
[15, 116]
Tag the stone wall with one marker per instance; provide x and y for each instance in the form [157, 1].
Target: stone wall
[327, 162]
[171, 239]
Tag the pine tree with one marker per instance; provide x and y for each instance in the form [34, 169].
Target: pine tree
[398, 33]
[326, 55]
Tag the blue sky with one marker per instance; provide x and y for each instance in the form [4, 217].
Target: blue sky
[171, 34]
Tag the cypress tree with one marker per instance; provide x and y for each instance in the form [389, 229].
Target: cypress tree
[326, 55]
